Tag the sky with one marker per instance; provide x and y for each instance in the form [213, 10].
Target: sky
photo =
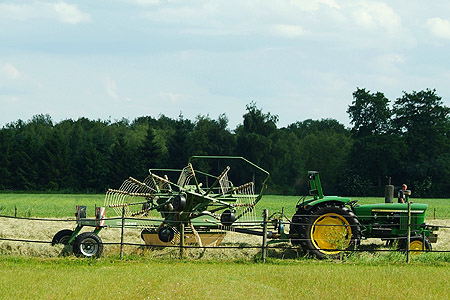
[297, 59]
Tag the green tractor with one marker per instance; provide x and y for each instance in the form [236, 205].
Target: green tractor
[327, 225]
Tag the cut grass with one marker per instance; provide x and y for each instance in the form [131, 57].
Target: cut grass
[71, 278]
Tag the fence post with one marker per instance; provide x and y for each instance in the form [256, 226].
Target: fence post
[423, 241]
[434, 213]
[264, 242]
[15, 211]
[122, 232]
[408, 235]
[182, 240]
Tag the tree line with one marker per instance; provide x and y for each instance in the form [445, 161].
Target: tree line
[407, 140]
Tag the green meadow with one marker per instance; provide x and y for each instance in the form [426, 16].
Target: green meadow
[72, 278]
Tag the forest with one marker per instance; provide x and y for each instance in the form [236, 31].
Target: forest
[406, 140]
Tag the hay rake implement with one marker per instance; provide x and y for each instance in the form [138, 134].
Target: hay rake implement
[206, 205]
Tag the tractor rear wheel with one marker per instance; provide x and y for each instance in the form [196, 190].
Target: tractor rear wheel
[88, 244]
[297, 220]
[327, 230]
[416, 245]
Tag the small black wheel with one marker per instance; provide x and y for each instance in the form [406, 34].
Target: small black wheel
[88, 244]
[166, 234]
[227, 218]
[179, 202]
[62, 237]
[416, 244]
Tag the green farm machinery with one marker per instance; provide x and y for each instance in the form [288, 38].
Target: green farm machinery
[326, 225]
[192, 206]
[206, 206]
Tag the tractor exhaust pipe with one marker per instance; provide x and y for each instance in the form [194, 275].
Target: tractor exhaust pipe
[389, 192]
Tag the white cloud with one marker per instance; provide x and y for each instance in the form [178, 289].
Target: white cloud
[289, 31]
[331, 3]
[19, 12]
[63, 12]
[389, 61]
[144, 2]
[439, 27]
[373, 15]
[69, 13]
[9, 71]
[8, 99]
[111, 88]
[174, 97]
[112, 91]
[313, 5]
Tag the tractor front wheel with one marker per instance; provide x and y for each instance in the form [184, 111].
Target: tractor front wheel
[416, 245]
[327, 230]
[88, 244]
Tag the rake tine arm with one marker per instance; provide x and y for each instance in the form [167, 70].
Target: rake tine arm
[142, 184]
[224, 172]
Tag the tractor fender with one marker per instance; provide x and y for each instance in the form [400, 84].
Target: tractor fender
[337, 201]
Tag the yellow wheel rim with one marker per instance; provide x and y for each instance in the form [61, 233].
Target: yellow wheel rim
[331, 231]
[416, 247]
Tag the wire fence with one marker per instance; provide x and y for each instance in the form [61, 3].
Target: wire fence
[292, 243]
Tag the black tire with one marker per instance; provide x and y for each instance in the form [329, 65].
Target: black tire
[297, 219]
[178, 203]
[416, 244]
[88, 244]
[62, 237]
[166, 234]
[227, 218]
[325, 230]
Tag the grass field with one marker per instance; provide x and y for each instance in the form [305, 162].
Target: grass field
[36, 271]
[47, 205]
[72, 278]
